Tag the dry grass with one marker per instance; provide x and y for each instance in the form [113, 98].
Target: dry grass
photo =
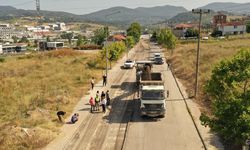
[34, 87]
[212, 52]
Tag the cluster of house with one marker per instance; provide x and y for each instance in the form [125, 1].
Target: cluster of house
[8, 31]
[219, 23]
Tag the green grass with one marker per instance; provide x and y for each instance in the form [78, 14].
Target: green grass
[212, 52]
[34, 87]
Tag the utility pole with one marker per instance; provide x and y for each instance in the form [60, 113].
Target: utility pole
[38, 6]
[200, 12]
[106, 43]
[107, 34]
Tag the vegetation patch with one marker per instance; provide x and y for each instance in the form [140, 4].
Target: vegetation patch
[34, 88]
[183, 62]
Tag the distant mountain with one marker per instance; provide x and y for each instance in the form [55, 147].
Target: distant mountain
[125, 16]
[236, 8]
[8, 12]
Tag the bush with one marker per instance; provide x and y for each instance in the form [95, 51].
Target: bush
[88, 47]
[2, 59]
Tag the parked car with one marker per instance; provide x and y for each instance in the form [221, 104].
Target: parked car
[129, 64]
[205, 38]
[158, 61]
[157, 55]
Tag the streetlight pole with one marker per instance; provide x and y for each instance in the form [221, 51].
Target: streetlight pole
[200, 12]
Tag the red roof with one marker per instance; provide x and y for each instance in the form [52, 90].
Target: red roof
[118, 37]
[181, 26]
[232, 24]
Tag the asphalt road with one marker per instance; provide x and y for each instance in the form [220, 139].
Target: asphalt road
[123, 128]
[174, 132]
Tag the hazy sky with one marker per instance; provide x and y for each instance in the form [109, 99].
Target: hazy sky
[87, 6]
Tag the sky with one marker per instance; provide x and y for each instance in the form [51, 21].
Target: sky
[88, 6]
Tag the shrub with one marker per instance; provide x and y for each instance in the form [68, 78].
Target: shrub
[2, 59]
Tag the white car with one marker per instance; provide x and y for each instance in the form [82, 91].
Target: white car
[129, 64]
[205, 38]
[157, 55]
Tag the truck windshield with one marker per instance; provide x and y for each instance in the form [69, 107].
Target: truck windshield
[153, 95]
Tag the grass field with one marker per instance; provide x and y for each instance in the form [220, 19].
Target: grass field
[34, 87]
[212, 52]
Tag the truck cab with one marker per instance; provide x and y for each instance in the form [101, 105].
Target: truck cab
[152, 99]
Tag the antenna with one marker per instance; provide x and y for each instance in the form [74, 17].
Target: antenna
[38, 6]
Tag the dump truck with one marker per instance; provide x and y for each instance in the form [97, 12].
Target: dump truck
[151, 90]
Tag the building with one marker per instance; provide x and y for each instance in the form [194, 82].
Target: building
[50, 45]
[219, 19]
[235, 27]
[7, 32]
[232, 28]
[1, 48]
[15, 48]
[5, 25]
[181, 29]
[117, 38]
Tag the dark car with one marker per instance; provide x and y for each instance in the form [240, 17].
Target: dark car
[158, 61]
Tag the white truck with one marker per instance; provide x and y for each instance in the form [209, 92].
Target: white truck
[151, 91]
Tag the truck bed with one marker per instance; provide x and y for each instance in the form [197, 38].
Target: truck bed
[156, 79]
[151, 77]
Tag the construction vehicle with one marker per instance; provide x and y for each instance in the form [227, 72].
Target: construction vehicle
[151, 90]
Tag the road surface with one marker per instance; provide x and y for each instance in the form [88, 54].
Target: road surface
[123, 128]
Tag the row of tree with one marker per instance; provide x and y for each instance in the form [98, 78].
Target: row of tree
[116, 49]
[165, 37]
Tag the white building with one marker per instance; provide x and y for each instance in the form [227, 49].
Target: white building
[230, 28]
[61, 26]
[5, 25]
[1, 49]
[7, 32]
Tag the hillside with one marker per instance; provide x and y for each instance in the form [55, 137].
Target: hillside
[8, 12]
[114, 15]
[190, 17]
[123, 15]
[236, 8]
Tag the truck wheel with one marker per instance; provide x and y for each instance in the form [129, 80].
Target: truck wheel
[162, 116]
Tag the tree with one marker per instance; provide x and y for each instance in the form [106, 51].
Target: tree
[130, 42]
[114, 51]
[48, 39]
[166, 38]
[100, 35]
[192, 33]
[154, 37]
[229, 90]
[67, 36]
[81, 40]
[248, 27]
[216, 33]
[135, 31]
[24, 39]
[15, 38]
